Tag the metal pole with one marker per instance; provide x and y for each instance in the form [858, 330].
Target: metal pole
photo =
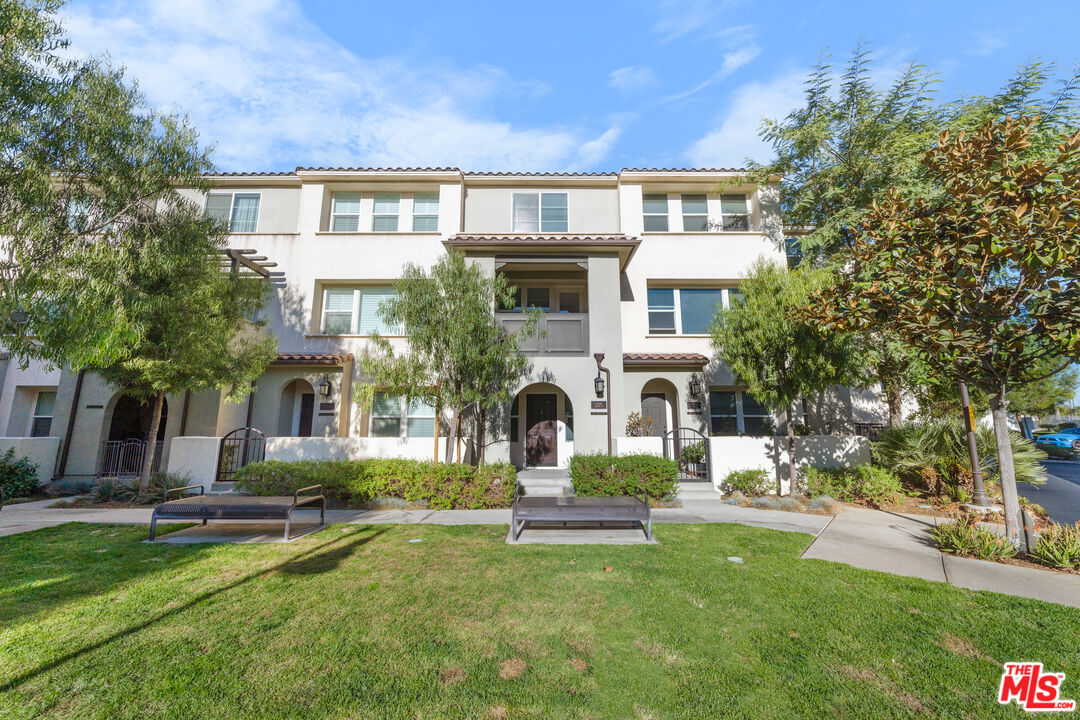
[979, 496]
[607, 386]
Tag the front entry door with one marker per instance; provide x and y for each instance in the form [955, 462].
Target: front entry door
[307, 409]
[541, 442]
[653, 405]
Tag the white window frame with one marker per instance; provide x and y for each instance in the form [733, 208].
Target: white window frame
[724, 305]
[404, 415]
[666, 214]
[410, 415]
[415, 215]
[397, 216]
[554, 296]
[334, 214]
[722, 227]
[740, 414]
[539, 212]
[34, 417]
[373, 416]
[683, 214]
[232, 207]
[354, 321]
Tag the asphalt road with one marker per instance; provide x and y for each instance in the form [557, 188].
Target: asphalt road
[1061, 493]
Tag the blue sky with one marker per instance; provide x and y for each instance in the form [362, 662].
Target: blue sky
[583, 85]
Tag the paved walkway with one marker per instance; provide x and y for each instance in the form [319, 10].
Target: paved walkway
[888, 542]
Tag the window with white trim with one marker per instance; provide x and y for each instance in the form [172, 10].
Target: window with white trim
[695, 213]
[390, 417]
[240, 211]
[540, 212]
[385, 213]
[655, 210]
[425, 212]
[78, 214]
[355, 311]
[44, 405]
[345, 212]
[737, 412]
[687, 311]
[734, 213]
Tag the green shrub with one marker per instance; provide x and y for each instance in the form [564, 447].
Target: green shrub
[1058, 546]
[749, 482]
[1059, 452]
[444, 486]
[110, 489]
[18, 477]
[694, 452]
[863, 482]
[610, 475]
[967, 539]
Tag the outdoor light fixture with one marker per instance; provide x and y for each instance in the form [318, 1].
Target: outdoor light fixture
[324, 387]
[598, 383]
[695, 386]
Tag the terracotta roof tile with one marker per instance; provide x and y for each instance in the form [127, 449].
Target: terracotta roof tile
[377, 169]
[301, 358]
[251, 174]
[665, 359]
[685, 170]
[501, 173]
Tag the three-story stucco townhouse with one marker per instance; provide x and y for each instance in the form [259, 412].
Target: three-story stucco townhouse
[631, 264]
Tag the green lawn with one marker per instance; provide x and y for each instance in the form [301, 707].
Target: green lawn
[357, 622]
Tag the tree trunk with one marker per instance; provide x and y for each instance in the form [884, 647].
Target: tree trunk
[481, 435]
[792, 472]
[457, 442]
[151, 445]
[451, 438]
[893, 400]
[1006, 470]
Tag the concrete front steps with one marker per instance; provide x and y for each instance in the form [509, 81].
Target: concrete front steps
[695, 491]
[544, 481]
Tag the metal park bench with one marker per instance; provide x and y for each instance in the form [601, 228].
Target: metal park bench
[551, 509]
[236, 507]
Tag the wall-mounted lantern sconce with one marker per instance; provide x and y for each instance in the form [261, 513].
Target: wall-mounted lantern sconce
[324, 387]
[598, 383]
[695, 386]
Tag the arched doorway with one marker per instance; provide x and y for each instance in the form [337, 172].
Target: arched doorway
[297, 409]
[659, 404]
[122, 453]
[541, 427]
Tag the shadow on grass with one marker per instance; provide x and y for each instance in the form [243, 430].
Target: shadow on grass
[326, 556]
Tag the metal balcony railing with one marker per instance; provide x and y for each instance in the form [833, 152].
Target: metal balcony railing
[562, 333]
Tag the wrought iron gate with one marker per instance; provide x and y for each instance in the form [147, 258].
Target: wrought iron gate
[124, 458]
[690, 449]
[239, 448]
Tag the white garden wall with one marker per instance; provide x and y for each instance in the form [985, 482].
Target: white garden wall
[351, 448]
[639, 446]
[196, 458]
[770, 454]
[39, 450]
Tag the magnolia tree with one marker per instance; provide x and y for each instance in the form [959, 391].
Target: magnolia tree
[458, 356]
[985, 280]
[779, 356]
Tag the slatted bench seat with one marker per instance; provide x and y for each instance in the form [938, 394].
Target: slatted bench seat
[542, 508]
[236, 507]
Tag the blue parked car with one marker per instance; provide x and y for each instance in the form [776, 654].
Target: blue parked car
[1067, 438]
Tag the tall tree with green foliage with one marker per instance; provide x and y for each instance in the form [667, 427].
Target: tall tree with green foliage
[779, 356]
[458, 356]
[85, 168]
[191, 318]
[985, 280]
[1045, 395]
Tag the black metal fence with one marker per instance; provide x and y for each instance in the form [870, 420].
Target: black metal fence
[124, 458]
[690, 449]
[239, 448]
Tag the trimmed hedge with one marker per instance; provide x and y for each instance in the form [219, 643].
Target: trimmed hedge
[863, 482]
[355, 482]
[609, 475]
[751, 483]
[18, 476]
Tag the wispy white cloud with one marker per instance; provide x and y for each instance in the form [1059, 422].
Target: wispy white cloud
[632, 79]
[987, 44]
[736, 137]
[274, 91]
[731, 62]
[679, 18]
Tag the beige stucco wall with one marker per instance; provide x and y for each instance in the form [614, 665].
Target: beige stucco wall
[18, 394]
[589, 209]
[42, 451]
[278, 206]
[195, 458]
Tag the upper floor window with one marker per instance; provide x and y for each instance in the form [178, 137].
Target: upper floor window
[687, 311]
[562, 299]
[695, 213]
[655, 211]
[385, 215]
[240, 211]
[355, 311]
[425, 210]
[345, 212]
[736, 412]
[540, 212]
[41, 423]
[78, 215]
[734, 214]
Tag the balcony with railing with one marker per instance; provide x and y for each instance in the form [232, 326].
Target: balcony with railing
[560, 332]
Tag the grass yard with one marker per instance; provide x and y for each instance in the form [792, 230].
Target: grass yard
[357, 622]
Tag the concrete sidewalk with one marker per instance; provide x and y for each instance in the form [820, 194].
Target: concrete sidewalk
[902, 545]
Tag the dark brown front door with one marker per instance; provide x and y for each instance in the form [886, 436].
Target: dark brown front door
[653, 405]
[541, 445]
[307, 409]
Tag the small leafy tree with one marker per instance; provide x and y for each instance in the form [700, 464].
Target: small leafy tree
[191, 318]
[458, 357]
[986, 280]
[84, 169]
[779, 356]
